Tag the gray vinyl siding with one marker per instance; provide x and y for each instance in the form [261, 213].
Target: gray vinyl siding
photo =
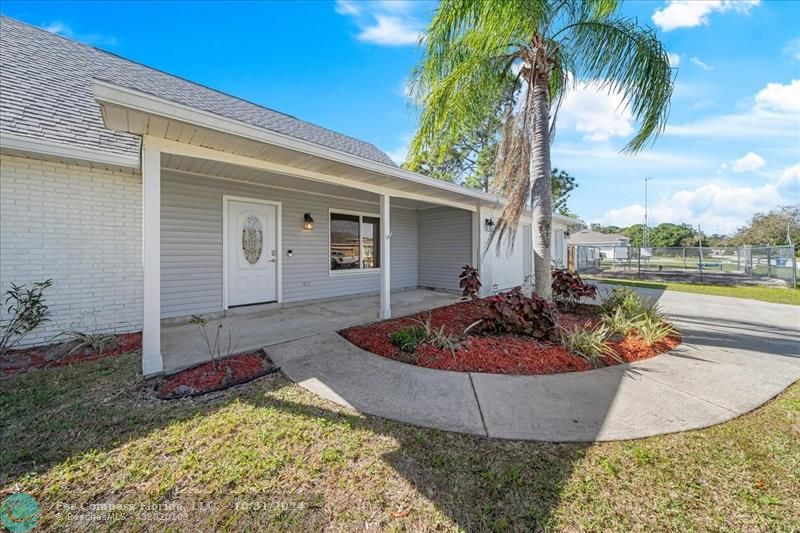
[191, 244]
[445, 246]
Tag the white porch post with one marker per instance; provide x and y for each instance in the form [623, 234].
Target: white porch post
[385, 250]
[152, 362]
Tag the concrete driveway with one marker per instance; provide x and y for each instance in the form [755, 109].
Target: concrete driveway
[736, 354]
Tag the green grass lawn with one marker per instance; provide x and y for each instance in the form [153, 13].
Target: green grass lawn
[765, 294]
[269, 455]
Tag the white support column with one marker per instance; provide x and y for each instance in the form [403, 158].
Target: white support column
[152, 362]
[386, 238]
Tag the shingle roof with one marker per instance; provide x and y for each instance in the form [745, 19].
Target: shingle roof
[46, 93]
[586, 236]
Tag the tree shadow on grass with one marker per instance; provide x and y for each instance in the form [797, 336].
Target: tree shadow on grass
[59, 415]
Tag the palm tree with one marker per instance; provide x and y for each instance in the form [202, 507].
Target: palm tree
[481, 54]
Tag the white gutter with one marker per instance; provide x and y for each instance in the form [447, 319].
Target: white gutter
[11, 141]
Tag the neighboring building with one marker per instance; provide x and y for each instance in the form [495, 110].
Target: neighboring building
[147, 197]
[606, 245]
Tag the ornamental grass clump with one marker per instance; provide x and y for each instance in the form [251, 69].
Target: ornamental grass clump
[589, 344]
[625, 313]
[652, 328]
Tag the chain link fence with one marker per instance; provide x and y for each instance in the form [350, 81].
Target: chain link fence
[726, 265]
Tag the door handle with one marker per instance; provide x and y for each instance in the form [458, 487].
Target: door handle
[271, 260]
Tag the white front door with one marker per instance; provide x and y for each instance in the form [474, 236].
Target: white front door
[252, 254]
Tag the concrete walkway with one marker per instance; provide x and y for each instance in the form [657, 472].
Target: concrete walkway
[254, 328]
[736, 355]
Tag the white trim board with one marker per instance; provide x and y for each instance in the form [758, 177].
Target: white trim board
[10, 141]
[278, 244]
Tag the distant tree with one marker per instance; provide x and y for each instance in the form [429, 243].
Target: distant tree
[563, 185]
[668, 234]
[604, 229]
[771, 228]
[635, 234]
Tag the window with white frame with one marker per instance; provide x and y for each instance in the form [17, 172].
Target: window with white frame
[355, 242]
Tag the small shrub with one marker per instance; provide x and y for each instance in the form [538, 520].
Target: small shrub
[95, 342]
[408, 338]
[215, 349]
[652, 328]
[470, 282]
[26, 311]
[513, 312]
[569, 288]
[589, 344]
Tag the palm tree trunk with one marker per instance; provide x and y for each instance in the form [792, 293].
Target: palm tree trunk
[541, 187]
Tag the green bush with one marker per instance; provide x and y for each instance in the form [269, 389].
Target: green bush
[590, 344]
[627, 301]
[408, 338]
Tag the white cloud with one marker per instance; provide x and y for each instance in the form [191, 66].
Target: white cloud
[719, 207]
[691, 13]
[751, 161]
[780, 98]
[792, 49]
[674, 59]
[775, 112]
[697, 61]
[385, 23]
[391, 31]
[63, 29]
[790, 176]
[590, 109]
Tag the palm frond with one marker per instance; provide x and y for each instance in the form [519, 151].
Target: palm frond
[629, 60]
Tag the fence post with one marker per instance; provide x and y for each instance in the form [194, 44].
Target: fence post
[638, 260]
[794, 267]
[684, 257]
[769, 262]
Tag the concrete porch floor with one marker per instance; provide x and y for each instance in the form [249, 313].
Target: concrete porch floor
[182, 346]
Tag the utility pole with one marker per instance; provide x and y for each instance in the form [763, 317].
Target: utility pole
[645, 230]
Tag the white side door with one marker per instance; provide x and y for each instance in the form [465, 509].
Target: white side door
[252, 254]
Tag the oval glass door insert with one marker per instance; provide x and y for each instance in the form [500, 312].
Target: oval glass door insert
[252, 239]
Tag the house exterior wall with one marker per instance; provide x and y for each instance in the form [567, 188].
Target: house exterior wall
[82, 228]
[445, 246]
[502, 268]
[191, 244]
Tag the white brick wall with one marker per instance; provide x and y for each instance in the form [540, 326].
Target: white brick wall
[81, 227]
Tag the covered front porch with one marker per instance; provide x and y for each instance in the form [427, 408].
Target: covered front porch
[255, 328]
[222, 198]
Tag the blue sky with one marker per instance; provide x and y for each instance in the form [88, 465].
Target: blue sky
[732, 145]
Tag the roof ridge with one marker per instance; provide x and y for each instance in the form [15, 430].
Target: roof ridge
[192, 82]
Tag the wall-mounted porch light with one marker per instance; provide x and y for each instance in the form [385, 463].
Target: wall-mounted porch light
[308, 222]
[489, 224]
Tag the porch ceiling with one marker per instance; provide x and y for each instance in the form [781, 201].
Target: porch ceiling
[135, 112]
[227, 171]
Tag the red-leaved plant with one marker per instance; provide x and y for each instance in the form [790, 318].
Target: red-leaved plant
[569, 288]
[513, 312]
[470, 282]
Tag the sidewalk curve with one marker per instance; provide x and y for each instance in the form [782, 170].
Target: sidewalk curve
[736, 354]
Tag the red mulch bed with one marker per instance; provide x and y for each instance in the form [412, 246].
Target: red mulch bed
[497, 354]
[208, 377]
[19, 361]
